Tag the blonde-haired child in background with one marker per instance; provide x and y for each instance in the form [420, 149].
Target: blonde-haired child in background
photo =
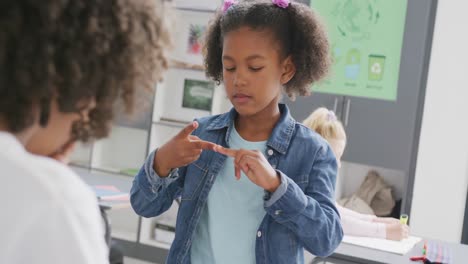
[325, 123]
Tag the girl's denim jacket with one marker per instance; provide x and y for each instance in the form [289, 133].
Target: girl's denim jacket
[300, 214]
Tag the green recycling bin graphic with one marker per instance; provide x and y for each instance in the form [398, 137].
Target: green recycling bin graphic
[376, 67]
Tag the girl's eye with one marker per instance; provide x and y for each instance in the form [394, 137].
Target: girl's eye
[256, 69]
[230, 69]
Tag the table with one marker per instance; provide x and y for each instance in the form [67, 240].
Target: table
[352, 254]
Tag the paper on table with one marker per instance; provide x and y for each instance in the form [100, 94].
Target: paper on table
[109, 192]
[397, 247]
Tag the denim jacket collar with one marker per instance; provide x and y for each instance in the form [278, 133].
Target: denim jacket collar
[279, 139]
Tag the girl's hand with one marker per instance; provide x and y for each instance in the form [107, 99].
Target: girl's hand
[254, 164]
[63, 155]
[397, 231]
[181, 150]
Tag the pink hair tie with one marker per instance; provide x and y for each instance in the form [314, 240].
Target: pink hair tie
[281, 3]
[227, 4]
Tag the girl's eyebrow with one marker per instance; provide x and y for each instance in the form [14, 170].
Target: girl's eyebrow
[251, 57]
[225, 57]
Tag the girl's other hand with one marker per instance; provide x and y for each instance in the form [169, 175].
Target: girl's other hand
[255, 166]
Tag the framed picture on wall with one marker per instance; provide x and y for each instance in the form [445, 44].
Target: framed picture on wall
[189, 31]
[198, 94]
[184, 95]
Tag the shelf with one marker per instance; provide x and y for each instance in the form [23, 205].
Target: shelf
[154, 243]
[148, 224]
[124, 235]
[171, 123]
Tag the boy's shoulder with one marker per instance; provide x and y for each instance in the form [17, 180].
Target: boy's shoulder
[49, 184]
[59, 181]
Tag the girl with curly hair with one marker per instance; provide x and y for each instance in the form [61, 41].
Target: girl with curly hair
[266, 190]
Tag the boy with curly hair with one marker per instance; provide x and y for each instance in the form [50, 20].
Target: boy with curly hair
[63, 63]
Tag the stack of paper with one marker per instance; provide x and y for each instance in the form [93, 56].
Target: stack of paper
[110, 193]
[398, 247]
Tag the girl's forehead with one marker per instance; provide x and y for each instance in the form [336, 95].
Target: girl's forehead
[248, 35]
[246, 40]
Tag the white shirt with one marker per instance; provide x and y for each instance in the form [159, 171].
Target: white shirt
[48, 214]
[356, 224]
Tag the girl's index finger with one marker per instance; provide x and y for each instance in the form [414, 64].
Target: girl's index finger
[226, 151]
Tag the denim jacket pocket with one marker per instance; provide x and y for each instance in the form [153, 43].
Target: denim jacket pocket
[194, 178]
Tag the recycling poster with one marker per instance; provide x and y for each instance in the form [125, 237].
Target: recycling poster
[366, 38]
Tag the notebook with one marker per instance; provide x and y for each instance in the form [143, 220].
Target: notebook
[397, 247]
[104, 192]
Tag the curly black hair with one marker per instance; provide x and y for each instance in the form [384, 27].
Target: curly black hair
[297, 28]
[76, 50]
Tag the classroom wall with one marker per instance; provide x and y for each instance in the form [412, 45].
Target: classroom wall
[441, 179]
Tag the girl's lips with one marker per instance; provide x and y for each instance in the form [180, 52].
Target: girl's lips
[241, 98]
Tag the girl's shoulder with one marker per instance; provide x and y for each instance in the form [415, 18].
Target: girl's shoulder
[309, 138]
[213, 122]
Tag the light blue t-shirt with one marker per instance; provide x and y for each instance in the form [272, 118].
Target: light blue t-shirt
[228, 226]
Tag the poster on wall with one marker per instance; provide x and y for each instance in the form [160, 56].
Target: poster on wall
[366, 39]
[184, 95]
[189, 34]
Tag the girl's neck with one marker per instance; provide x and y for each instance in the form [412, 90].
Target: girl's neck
[258, 127]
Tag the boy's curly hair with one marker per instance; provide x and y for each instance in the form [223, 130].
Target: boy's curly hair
[76, 50]
[297, 28]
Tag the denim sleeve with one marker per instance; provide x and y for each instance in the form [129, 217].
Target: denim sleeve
[310, 214]
[151, 195]
[271, 198]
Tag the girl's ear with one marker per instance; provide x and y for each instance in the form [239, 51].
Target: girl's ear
[289, 69]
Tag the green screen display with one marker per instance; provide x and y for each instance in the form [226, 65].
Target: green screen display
[366, 38]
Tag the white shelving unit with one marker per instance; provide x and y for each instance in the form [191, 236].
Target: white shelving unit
[184, 94]
[124, 224]
[165, 127]
[147, 234]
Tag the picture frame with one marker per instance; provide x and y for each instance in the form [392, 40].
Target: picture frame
[198, 94]
[189, 31]
[184, 95]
